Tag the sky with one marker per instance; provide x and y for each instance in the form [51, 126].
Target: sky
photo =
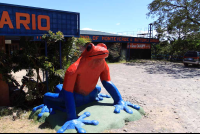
[127, 17]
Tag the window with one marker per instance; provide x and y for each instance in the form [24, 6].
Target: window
[191, 54]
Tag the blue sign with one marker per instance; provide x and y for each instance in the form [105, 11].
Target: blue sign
[29, 21]
[121, 39]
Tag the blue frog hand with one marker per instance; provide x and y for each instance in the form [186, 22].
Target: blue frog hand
[123, 105]
[78, 123]
[101, 96]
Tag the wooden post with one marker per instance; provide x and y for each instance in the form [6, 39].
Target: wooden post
[47, 78]
[2, 43]
[4, 93]
[4, 89]
[60, 52]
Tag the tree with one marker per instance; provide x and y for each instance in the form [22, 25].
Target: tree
[114, 52]
[31, 56]
[177, 25]
[177, 18]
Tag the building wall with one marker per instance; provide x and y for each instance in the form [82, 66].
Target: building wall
[135, 53]
[31, 21]
[138, 51]
[140, 47]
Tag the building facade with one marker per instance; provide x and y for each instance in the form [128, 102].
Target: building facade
[17, 21]
[131, 47]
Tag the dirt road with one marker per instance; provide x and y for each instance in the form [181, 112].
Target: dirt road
[168, 92]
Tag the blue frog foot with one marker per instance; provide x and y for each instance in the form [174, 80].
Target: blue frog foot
[37, 108]
[78, 123]
[123, 105]
[101, 96]
[133, 106]
[44, 109]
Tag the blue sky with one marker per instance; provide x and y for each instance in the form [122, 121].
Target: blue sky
[114, 16]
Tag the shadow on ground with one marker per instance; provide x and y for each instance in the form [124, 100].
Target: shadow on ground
[45, 125]
[175, 70]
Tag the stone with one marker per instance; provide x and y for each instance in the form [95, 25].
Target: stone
[102, 111]
[125, 130]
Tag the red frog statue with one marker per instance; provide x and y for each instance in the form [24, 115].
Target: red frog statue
[80, 88]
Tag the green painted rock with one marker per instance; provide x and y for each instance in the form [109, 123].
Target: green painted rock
[101, 111]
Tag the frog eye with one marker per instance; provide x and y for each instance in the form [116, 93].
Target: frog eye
[89, 47]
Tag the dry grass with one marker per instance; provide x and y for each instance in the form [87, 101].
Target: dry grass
[23, 125]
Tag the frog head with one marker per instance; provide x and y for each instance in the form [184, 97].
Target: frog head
[99, 51]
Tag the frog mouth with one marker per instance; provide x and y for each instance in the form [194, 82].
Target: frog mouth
[98, 54]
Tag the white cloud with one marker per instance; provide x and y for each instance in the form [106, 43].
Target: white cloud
[118, 24]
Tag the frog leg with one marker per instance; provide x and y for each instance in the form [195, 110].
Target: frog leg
[119, 103]
[52, 101]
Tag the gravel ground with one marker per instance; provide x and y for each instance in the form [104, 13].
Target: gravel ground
[168, 92]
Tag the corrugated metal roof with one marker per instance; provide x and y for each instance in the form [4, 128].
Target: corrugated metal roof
[91, 32]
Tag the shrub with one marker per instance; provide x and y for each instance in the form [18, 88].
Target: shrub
[114, 52]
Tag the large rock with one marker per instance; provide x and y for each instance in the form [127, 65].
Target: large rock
[101, 111]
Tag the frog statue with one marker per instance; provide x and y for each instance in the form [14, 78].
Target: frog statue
[80, 88]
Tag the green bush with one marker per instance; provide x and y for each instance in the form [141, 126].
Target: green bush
[114, 52]
[32, 57]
